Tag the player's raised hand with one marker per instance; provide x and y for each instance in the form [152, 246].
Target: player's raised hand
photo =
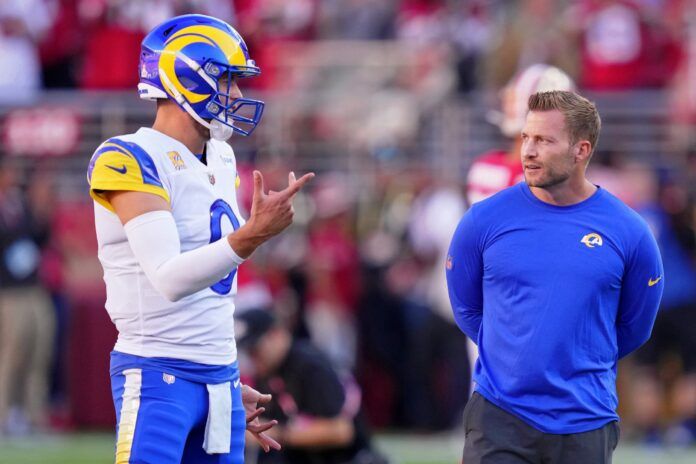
[271, 213]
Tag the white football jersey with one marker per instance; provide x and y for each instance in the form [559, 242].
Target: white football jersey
[199, 327]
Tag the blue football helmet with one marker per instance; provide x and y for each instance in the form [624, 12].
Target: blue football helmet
[185, 58]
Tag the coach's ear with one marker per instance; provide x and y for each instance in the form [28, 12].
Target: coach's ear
[582, 150]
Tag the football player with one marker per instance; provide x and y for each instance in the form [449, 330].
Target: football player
[171, 238]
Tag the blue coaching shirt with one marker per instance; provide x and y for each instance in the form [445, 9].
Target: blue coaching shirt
[553, 296]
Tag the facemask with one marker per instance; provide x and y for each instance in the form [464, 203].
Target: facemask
[220, 131]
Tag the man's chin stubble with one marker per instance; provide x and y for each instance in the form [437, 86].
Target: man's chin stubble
[546, 183]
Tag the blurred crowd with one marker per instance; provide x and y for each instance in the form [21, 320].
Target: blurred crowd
[361, 274]
[604, 44]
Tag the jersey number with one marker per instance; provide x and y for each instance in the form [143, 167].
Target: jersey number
[219, 209]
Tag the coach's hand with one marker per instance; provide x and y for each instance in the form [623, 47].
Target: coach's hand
[251, 399]
[271, 213]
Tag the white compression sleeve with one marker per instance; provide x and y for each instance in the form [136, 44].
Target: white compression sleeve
[154, 239]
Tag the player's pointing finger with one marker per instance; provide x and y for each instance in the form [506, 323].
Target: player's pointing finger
[296, 186]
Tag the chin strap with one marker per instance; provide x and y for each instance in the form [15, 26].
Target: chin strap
[220, 131]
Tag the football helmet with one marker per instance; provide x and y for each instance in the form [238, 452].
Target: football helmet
[515, 95]
[186, 58]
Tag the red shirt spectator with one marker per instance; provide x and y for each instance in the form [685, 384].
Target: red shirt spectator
[619, 49]
[491, 173]
[111, 56]
[61, 44]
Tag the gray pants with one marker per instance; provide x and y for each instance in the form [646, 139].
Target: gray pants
[494, 436]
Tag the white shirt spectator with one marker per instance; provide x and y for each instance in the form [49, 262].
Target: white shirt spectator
[22, 23]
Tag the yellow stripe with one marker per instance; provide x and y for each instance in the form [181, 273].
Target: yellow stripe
[130, 404]
[100, 198]
[167, 62]
[107, 179]
[228, 44]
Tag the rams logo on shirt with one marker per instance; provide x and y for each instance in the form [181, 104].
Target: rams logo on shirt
[176, 160]
[592, 240]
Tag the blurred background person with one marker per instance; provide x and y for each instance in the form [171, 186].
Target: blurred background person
[529, 32]
[120, 27]
[332, 272]
[664, 384]
[26, 313]
[682, 94]
[319, 410]
[438, 351]
[22, 25]
[622, 45]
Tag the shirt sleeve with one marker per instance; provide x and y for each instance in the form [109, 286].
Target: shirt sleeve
[120, 165]
[154, 240]
[464, 271]
[641, 291]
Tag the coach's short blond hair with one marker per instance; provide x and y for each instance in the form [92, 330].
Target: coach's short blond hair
[582, 119]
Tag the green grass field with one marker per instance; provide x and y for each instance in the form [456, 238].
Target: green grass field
[402, 449]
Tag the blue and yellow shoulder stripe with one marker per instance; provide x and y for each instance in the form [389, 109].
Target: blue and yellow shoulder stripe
[121, 165]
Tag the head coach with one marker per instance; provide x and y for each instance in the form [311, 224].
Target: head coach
[555, 279]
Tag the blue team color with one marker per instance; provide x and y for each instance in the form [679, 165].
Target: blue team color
[145, 162]
[553, 296]
[195, 372]
[218, 209]
[172, 409]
